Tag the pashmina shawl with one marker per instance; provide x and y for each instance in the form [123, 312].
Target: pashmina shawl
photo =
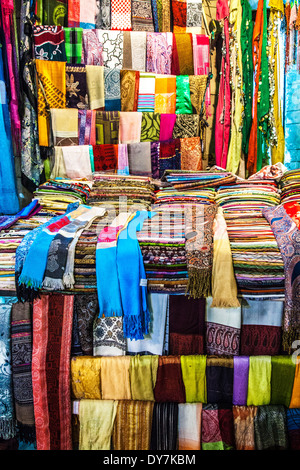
[112, 89]
[150, 127]
[165, 95]
[51, 94]
[73, 45]
[21, 356]
[199, 249]
[164, 432]
[120, 15]
[107, 127]
[219, 379]
[52, 333]
[159, 52]
[92, 50]
[139, 158]
[76, 87]
[243, 420]
[96, 419]
[193, 369]
[85, 377]
[86, 309]
[270, 428]
[189, 426]
[130, 127]
[143, 370]
[217, 429]
[95, 80]
[129, 83]
[286, 234]
[282, 379]
[115, 378]
[7, 413]
[240, 380]
[49, 43]
[108, 338]
[64, 126]
[259, 381]
[167, 122]
[169, 386]
[133, 424]
[141, 15]
[293, 428]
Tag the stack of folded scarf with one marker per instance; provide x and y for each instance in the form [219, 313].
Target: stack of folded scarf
[121, 191]
[257, 261]
[55, 195]
[290, 186]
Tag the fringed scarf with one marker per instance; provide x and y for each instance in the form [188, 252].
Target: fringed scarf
[52, 334]
[199, 249]
[287, 234]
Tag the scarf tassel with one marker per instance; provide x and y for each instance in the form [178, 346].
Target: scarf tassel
[7, 429]
[26, 433]
[134, 327]
[199, 283]
[53, 284]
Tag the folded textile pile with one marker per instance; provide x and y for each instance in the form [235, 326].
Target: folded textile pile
[257, 261]
[290, 186]
[120, 192]
[55, 195]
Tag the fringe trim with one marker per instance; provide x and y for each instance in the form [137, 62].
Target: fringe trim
[7, 429]
[135, 327]
[288, 337]
[68, 280]
[29, 282]
[225, 303]
[199, 283]
[53, 284]
[26, 433]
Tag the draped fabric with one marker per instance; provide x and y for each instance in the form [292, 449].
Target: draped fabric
[259, 381]
[85, 377]
[243, 420]
[219, 379]
[52, 334]
[240, 380]
[49, 43]
[115, 378]
[133, 425]
[169, 385]
[217, 431]
[159, 52]
[270, 428]
[97, 418]
[182, 54]
[193, 369]
[143, 371]
[282, 380]
[164, 430]
[77, 87]
[129, 82]
[189, 426]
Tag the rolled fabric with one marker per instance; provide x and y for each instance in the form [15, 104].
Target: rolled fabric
[259, 382]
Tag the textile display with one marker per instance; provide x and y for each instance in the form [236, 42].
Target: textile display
[243, 420]
[101, 412]
[164, 430]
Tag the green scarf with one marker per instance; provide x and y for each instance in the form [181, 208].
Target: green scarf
[283, 373]
[247, 62]
[193, 370]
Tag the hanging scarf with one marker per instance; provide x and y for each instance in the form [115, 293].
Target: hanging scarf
[73, 45]
[167, 123]
[259, 134]
[64, 124]
[169, 386]
[81, 13]
[165, 95]
[219, 379]
[95, 86]
[183, 95]
[102, 412]
[259, 381]
[186, 125]
[53, 12]
[143, 370]
[150, 127]
[92, 49]
[134, 51]
[159, 52]
[21, 341]
[286, 234]
[282, 380]
[130, 127]
[107, 127]
[132, 428]
[146, 94]
[105, 157]
[243, 419]
[103, 14]
[182, 54]
[141, 16]
[129, 83]
[189, 426]
[52, 333]
[193, 369]
[217, 429]
[7, 414]
[293, 428]
[112, 89]
[139, 158]
[270, 428]
[164, 430]
[199, 249]
[113, 45]
[169, 156]
[86, 309]
[247, 70]
[240, 380]
[295, 398]
[222, 129]
[77, 87]
[108, 338]
[121, 15]
[49, 43]
[85, 377]
[115, 378]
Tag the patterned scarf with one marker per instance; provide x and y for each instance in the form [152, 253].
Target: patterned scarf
[270, 428]
[76, 87]
[141, 15]
[199, 249]
[52, 335]
[49, 43]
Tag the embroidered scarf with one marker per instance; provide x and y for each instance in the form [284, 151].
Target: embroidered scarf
[76, 87]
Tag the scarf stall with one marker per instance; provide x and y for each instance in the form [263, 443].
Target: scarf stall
[149, 225]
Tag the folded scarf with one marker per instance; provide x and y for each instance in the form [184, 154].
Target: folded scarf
[85, 378]
[259, 381]
[164, 430]
[270, 428]
[52, 336]
[51, 85]
[282, 379]
[76, 87]
[21, 359]
[30, 210]
[112, 89]
[7, 413]
[115, 378]
[49, 43]
[193, 369]
[243, 420]
[96, 419]
[129, 83]
[169, 385]
[133, 423]
[189, 426]
[219, 379]
[130, 127]
[143, 370]
[95, 86]
[199, 249]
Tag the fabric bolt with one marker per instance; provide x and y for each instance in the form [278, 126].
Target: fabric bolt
[240, 380]
[167, 122]
[150, 127]
[259, 381]
[129, 83]
[189, 426]
[164, 432]
[130, 127]
[49, 43]
[97, 418]
[64, 126]
[85, 378]
[159, 52]
[183, 95]
[51, 94]
[115, 378]
[73, 45]
[169, 385]
[133, 424]
[193, 369]
[95, 81]
[92, 53]
[143, 370]
[52, 327]
[243, 418]
[219, 379]
[107, 127]
[165, 94]
[76, 87]
[282, 380]
[217, 428]
[112, 89]
[270, 428]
